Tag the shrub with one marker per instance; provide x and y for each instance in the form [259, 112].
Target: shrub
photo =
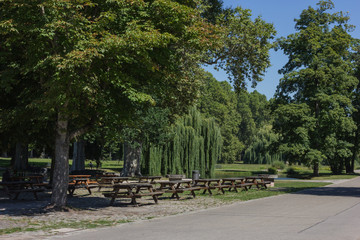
[278, 165]
[292, 171]
[272, 170]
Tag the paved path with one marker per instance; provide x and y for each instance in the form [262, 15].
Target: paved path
[331, 212]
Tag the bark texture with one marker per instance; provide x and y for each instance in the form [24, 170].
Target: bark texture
[61, 165]
[132, 157]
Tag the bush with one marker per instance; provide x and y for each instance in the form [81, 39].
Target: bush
[272, 170]
[278, 165]
[292, 171]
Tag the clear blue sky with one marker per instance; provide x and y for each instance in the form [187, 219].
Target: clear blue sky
[282, 14]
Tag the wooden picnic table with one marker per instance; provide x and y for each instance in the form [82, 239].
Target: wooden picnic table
[110, 181]
[133, 191]
[236, 182]
[37, 180]
[149, 179]
[17, 187]
[178, 186]
[208, 183]
[80, 181]
[258, 181]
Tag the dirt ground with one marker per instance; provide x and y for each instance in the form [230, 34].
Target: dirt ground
[86, 211]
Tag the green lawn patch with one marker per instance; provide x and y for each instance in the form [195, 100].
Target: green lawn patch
[281, 187]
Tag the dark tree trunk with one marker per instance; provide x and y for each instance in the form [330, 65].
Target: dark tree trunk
[132, 157]
[61, 165]
[78, 156]
[21, 158]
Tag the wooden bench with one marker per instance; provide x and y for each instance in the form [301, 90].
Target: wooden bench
[133, 191]
[81, 181]
[18, 187]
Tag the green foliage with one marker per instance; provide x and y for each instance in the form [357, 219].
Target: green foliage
[195, 145]
[291, 171]
[272, 170]
[278, 165]
[259, 151]
[219, 102]
[313, 104]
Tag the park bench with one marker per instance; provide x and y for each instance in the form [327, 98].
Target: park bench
[179, 186]
[81, 181]
[133, 191]
[17, 187]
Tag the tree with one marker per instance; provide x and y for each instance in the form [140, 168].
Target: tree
[193, 143]
[355, 139]
[313, 98]
[95, 63]
[219, 101]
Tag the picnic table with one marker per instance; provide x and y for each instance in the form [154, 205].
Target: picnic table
[17, 187]
[208, 184]
[133, 191]
[236, 182]
[258, 181]
[149, 179]
[37, 180]
[80, 181]
[178, 186]
[110, 181]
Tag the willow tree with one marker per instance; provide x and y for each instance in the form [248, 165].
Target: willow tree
[313, 98]
[195, 145]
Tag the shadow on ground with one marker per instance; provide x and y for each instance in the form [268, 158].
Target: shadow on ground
[332, 191]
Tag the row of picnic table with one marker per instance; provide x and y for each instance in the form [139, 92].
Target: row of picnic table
[124, 187]
[154, 186]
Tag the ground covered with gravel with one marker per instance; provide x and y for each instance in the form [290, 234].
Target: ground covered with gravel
[26, 218]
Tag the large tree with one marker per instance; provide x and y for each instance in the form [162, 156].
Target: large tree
[313, 99]
[95, 63]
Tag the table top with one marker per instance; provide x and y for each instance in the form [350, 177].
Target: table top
[16, 183]
[79, 176]
[149, 177]
[254, 177]
[132, 185]
[208, 180]
[115, 178]
[174, 181]
[233, 179]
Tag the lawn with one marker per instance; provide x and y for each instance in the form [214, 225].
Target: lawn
[221, 170]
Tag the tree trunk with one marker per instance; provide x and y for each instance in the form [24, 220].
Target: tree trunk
[78, 162]
[132, 157]
[61, 166]
[316, 169]
[21, 158]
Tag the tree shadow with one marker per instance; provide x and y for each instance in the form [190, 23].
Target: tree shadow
[332, 191]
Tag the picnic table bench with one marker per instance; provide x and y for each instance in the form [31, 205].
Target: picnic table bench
[16, 187]
[149, 179]
[178, 186]
[81, 181]
[106, 182]
[258, 181]
[209, 184]
[133, 191]
[237, 182]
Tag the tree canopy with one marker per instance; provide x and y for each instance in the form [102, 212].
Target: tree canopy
[313, 104]
[78, 65]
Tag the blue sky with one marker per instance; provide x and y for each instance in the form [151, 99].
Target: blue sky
[282, 14]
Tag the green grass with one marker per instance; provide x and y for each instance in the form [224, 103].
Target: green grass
[45, 226]
[281, 187]
[115, 166]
